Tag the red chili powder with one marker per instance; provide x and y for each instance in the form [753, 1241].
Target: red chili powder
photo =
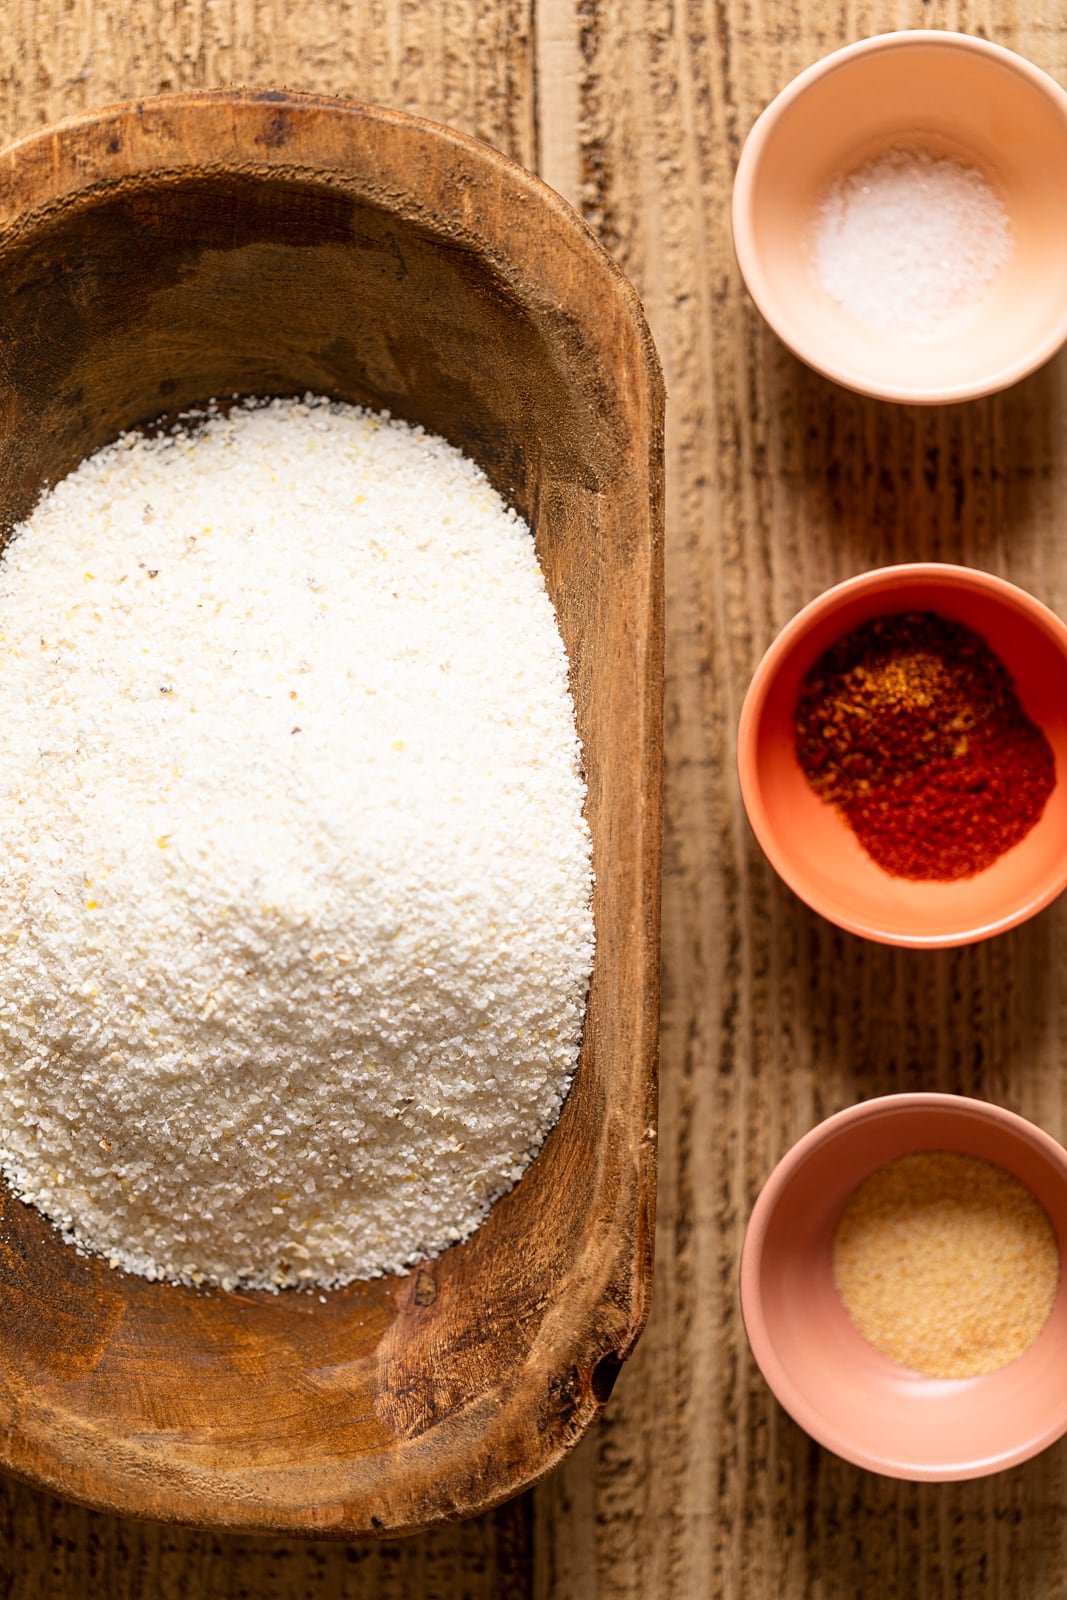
[911, 726]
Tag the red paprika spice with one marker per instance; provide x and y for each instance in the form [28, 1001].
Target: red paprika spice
[911, 726]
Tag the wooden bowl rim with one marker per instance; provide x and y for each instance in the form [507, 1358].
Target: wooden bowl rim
[91, 153]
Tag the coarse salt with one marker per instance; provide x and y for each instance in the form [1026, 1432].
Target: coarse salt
[295, 921]
[910, 238]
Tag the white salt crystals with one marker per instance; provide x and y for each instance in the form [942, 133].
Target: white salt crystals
[908, 239]
[295, 915]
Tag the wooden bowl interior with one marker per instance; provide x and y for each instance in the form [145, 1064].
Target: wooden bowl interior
[382, 1406]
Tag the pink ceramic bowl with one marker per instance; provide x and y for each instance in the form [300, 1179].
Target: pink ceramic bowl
[805, 838]
[839, 1388]
[955, 97]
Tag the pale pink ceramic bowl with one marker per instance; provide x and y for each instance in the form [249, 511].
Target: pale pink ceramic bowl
[954, 96]
[839, 1388]
[805, 838]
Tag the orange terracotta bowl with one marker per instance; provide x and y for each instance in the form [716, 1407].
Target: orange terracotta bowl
[953, 96]
[836, 1385]
[806, 839]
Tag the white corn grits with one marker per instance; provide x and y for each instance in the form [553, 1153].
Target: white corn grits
[295, 903]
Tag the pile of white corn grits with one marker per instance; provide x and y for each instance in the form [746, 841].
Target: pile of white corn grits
[295, 911]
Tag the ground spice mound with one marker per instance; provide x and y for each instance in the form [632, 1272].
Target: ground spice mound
[911, 726]
[295, 917]
[946, 1263]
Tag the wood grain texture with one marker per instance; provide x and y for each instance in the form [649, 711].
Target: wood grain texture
[694, 1483]
[778, 485]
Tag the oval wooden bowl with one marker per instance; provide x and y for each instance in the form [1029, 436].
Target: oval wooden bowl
[161, 253]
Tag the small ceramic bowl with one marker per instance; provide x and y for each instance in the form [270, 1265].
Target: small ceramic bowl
[806, 839]
[950, 96]
[836, 1385]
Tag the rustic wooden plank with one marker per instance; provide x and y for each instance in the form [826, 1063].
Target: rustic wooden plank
[50, 1550]
[694, 1483]
[558, 67]
[779, 484]
[469, 63]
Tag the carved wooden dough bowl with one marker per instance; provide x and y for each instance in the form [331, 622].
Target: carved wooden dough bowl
[155, 255]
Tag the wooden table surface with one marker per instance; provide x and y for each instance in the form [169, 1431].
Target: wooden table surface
[694, 1483]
